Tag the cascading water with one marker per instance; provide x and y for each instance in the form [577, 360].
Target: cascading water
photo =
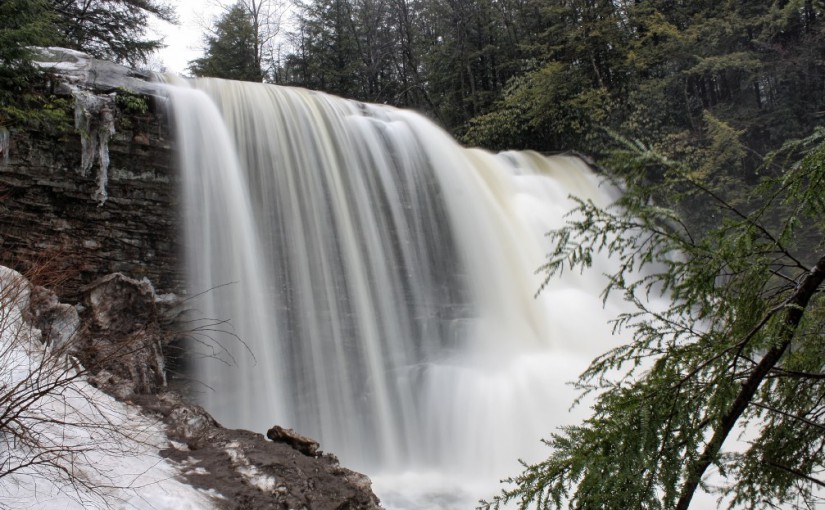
[380, 284]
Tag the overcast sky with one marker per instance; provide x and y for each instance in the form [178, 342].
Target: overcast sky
[184, 41]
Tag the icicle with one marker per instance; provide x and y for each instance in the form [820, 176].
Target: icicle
[105, 131]
[83, 123]
[94, 119]
[5, 142]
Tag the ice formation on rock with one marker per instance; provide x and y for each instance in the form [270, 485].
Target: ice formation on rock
[94, 119]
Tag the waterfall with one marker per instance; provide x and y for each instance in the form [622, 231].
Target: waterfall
[378, 281]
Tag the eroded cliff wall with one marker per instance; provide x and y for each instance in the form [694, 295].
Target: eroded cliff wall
[49, 213]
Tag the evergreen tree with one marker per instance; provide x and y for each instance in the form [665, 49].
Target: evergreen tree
[329, 57]
[735, 341]
[557, 74]
[573, 87]
[24, 92]
[110, 29]
[410, 49]
[652, 69]
[23, 24]
[231, 50]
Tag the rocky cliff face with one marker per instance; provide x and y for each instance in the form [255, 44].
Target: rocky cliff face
[51, 210]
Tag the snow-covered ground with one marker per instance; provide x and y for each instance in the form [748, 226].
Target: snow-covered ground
[67, 445]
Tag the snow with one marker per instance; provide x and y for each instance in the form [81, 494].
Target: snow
[249, 472]
[70, 445]
[70, 64]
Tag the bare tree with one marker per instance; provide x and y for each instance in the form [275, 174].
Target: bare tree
[267, 20]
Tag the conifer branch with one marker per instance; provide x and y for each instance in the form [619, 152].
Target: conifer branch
[796, 472]
[795, 309]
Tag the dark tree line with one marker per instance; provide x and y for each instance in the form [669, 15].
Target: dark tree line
[654, 69]
[559, 74]
[544, 74]
[451, 59]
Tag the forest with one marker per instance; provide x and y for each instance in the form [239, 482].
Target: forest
[708, 114]
[554, 75]
[549, 75]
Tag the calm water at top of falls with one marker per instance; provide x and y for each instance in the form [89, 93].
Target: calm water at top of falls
[380, 284]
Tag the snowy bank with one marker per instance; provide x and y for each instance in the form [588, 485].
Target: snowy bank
[68, 445]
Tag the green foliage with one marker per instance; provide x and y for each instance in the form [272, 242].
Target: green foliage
[37, 110]
[329, 55]
[652, 69]
[231, 50]
[726, 335]
[551, 106]
[451, 59]
[110, 29]
[23, 23]
[549, 74]
[131, 103]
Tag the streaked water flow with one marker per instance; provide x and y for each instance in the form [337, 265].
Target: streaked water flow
[381, 281]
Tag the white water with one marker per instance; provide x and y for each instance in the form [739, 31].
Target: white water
[384, 279]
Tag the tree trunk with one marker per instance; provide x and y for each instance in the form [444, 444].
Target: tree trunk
[794, 310]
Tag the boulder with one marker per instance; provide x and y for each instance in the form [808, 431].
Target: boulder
[125, 329]
[293, 439]
[58, 322]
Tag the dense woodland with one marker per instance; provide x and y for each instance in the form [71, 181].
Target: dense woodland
[558, 74]
[708, 113]
[108, 29]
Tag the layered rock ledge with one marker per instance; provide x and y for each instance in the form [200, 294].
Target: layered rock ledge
[51, 208]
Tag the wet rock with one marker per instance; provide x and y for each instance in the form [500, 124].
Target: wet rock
[187, 421]
[141, 139]
[251, 473]
[119, 304]
[125, 328]
[49, 210]
[289, 437]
